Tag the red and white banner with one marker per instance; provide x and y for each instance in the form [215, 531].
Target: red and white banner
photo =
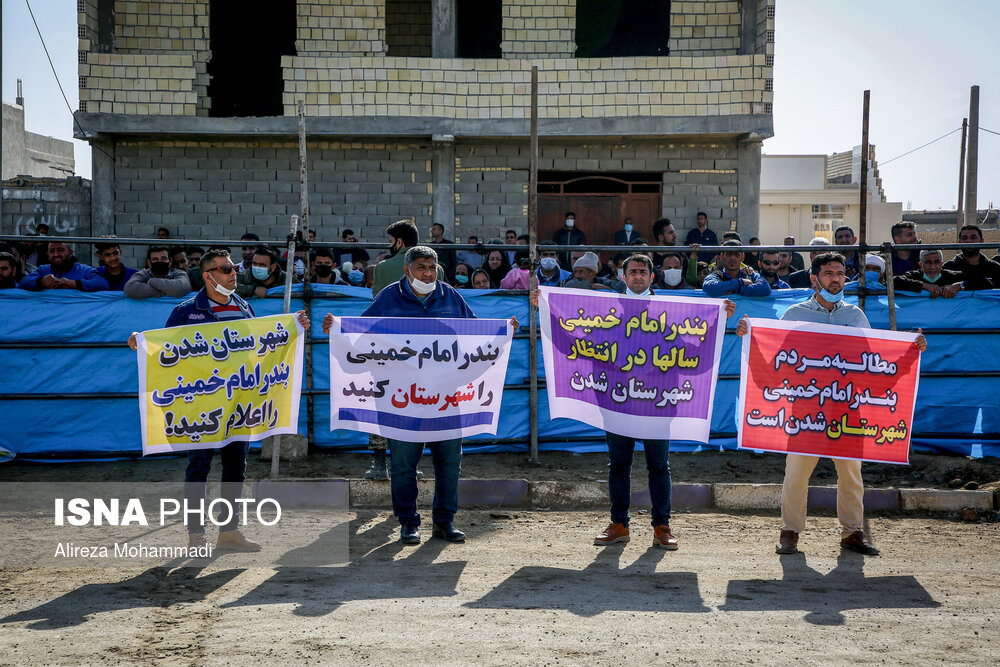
[825, 390]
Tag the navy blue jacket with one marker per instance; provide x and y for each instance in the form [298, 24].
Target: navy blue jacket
[398, 300]
[86, 277]
[199, 310]
[718, 283]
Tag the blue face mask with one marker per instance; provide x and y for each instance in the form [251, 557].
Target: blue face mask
[871, 277]
[260, 272]
[831, 298]
[461, 279]
[628, 228]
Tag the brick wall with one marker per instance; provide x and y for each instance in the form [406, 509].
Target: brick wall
[341, 26]
[705, 27]
[61, 203]
[139, 84]
[223, 189]
[408, 28]
[486, 89]
[539, 28]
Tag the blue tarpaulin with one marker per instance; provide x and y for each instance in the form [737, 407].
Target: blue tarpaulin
[955, 413]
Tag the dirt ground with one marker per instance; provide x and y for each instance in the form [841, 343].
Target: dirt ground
[529, 588]
[924, 471]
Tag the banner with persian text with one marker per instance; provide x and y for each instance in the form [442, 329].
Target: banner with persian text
[642, 367]
[826, 390]
[418, 379]
[202, 386]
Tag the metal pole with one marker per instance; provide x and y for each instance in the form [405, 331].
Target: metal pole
[307, 285]
[972, 160]
[889, 289]
[285, 307]
[960, 213]
[863, 213]
[533, 282]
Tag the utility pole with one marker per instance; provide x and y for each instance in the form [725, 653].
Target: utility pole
[960, 213]
[532, 281]
[863, 212]
[972, 159]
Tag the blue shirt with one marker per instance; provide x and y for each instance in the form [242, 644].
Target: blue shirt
[398, 300]
[718, 283]
[560, 275]
[843, 314]
[86, 277]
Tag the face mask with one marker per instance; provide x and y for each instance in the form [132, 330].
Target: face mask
[570, 222]
[621, 275]
[932, 280]
[394, 249]
[422, 288]
[159, 268]
[260, 272]
[672, 277]
[631, 293]
[323, 270]
[628, 228]
[871, 277]
[355, 277]
[549, 264]
[300, 267]
[224, 291]
[831, 298]
[461, 279]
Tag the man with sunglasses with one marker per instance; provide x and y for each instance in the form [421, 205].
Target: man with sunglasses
[217, 302]
[769, 262]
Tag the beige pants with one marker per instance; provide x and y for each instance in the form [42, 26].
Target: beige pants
[795, 488]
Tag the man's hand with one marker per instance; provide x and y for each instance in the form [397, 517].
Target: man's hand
[303, 319]
[747, 281]
[742, 328]
[533, 297]
[921, 342]
[260, 291]
[132, 342]
[694, 249]
[327, 323]
[951, 290]
[934, 290]
[513, 323]
[50, 282]
[66, 283]
[730, 308]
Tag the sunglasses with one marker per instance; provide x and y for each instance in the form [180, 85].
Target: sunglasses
[229, 268]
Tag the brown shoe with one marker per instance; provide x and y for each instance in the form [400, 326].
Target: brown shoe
[233, 540]
[858, 541]
[196, 540]
[615, 532]
[663, 538]
[788, 543]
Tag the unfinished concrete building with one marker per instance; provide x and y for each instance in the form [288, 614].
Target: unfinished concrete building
[419, 109]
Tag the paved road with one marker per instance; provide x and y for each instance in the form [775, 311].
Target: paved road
[528, 588]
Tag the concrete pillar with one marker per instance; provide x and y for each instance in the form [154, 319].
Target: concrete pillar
[444, 29]
[748, 189]
[443, 193]
[102, 193]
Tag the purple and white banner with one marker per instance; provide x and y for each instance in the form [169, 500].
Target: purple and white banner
[418, 379]
[642, 367]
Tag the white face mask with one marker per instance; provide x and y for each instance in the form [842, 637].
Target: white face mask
[570, 222]
[621, 275]
[224, 291]
[422, 288]
[549, 263]
[672, 277]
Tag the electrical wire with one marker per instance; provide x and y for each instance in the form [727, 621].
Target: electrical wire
[882, 164]
[990, 131]
[46, 49]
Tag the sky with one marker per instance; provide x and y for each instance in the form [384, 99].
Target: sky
[919, 58]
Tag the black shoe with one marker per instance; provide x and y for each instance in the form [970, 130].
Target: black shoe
[378, 470]
[448, 532]
[409, 534]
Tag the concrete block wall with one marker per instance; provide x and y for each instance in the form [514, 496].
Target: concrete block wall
[61, 203]
[407, 27]
[539, 29]
[489, 89]
[491, 180]
[705, 27]
[341, 26]
[213, 189]
[139, 84]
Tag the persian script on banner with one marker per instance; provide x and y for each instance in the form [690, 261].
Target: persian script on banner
[418, 379]
[202, 386]
[642, 367]
[825, 390]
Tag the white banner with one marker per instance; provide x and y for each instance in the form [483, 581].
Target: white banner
[417, 379]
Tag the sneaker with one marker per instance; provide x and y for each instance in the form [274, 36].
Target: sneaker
[663, 538]
[615, 532]
[233, 540]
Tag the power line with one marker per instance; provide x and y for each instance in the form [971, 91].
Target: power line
[990, 131]
[46, 49]
[882, 164]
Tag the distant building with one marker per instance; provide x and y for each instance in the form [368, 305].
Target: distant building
[806, 196]
[29, 154]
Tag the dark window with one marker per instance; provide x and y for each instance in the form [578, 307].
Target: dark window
[408, 28]
[248, 38]
[480, 28]
[105, 26]
[607, 28]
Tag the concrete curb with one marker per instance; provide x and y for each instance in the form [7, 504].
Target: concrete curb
[520, 493]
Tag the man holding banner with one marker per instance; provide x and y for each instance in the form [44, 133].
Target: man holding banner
[250, 369]
[789, 374]
[638, 366]
[413, 370]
